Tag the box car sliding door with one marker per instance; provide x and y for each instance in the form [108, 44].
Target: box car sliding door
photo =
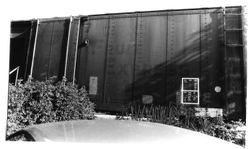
[106, 64]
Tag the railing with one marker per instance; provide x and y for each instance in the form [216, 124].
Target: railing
[17, 72]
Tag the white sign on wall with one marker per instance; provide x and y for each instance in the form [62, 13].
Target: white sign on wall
[93, 85]
[209, 112]
[147, 99]
[190, 92]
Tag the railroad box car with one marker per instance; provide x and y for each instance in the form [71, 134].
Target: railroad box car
[190, 56]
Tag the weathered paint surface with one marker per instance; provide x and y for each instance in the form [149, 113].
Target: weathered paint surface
[149, 53]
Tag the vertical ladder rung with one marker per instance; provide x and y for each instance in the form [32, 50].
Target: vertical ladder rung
[232, 14]
[233, 29]
[234, 45]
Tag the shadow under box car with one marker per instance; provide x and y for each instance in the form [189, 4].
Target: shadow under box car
[119, 131]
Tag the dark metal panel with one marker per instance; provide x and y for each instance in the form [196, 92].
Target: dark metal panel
[212, 60]
[233, 21]
[58, 49]
[92, 56]
[150, 61]
[120, 60]
[42, 55]
[234, 71]
[82, 54]
[234, 37]
[50, 50]
[183, 52]
[215, 45]
[97, 37]
[205, 91]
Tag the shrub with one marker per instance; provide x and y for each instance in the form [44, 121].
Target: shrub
[38, 102]
[233, 131]
[184, 116]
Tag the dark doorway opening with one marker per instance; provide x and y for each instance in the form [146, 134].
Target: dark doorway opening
[21, 43]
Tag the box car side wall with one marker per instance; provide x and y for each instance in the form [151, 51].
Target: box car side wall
[122, 58]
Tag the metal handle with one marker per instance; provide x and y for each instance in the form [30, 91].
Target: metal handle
[17, 72]
[34, 51]
[67, 51]
[77, 38]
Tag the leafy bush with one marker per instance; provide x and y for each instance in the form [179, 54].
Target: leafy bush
[233, 131]
[184, 116]
[38, 102]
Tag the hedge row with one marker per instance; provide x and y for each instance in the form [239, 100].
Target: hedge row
[38, 102]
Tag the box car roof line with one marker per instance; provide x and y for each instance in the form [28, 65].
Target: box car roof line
[153, 13]
[50, 19]
[167, 10]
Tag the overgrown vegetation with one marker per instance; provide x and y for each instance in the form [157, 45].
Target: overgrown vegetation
[38, 102]
[184, 117]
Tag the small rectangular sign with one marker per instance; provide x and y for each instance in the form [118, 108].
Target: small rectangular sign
[190, 84]
[190, 97]
[190, 91]
[93, 82]
[147, 99]
[209, 112]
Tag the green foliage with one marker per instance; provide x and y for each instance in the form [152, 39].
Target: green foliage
[184, 117]
[38, 102]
